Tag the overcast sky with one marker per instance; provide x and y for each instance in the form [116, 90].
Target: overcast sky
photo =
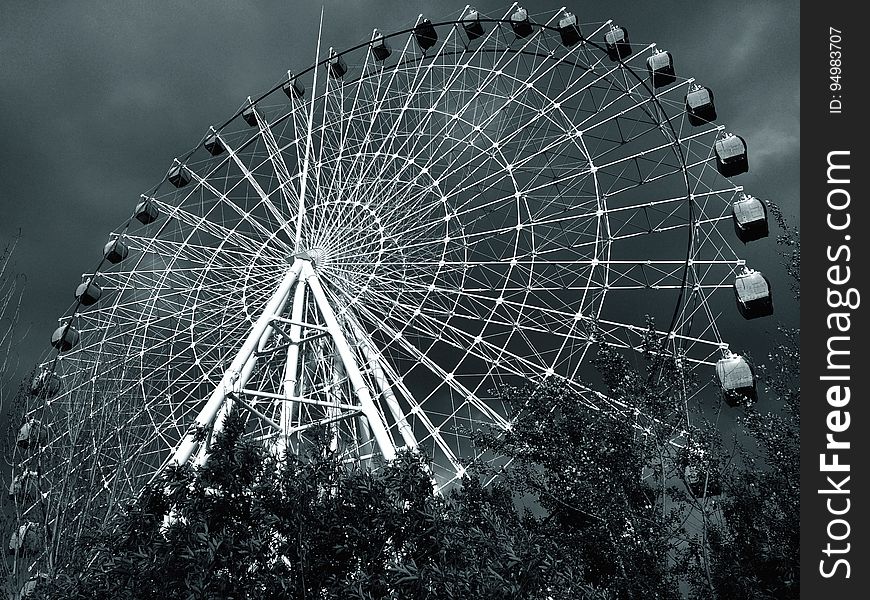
[98, 97]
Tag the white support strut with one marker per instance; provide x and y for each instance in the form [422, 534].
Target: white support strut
[232, 377]
[291, 367]
[358, 384]
[383, 383]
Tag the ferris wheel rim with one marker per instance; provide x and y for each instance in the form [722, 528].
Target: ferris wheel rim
[228, 160]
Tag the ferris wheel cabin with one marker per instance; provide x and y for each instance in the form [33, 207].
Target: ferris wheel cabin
[660, 67]
[250, 116]
[700, 108]
[46, 384]
[88, 293]
[115, 251]
[29, 587]
[569, 30]
[178, 175]
[750, 219]
[472, 25]
[731, 158]
[737, 380]
[146, 210]
[380, 47]
[26, 539]
[520, 23]
[213, 145]
[65, 338]
[23, 487]
[617, 43]
[336, 65]
[27, 433]
[425, 34]
[754, 299]
[293, 88]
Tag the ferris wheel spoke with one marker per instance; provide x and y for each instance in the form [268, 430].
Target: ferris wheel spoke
[414, 93]
[545, 275]
[417, 413]
[191, 253]
[219, 174]
[265, 199]
[494, 355]
[673, 204]
[438, 370]
[474, 127]
[245, 216]
[552, 317]
[202, 223]
[700, 301]
[276, 158]
[173, 333]
[502, 200]
[377, 367]
[348, 125]
[375, 85]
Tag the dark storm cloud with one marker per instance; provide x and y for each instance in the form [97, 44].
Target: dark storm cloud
[98, 97]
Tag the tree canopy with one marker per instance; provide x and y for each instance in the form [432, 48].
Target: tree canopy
[590, 507]
[587, 504]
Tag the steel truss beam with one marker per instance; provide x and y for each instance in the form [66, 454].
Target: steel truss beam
[301, 287]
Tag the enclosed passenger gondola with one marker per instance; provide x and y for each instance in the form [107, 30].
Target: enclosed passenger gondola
[178, 175]
[26, 539]
[520, 23]
[425, 34]
[569, 30]
[472, 25]
[380, 46]
[250, 116]
[88, 293]
[700, 108]
[23, 487]
[750, 218]
[660, 67]
[731, 155]
[336, 65]
[293, 88]
[28, 434]
[214, 145]
[752, 291]
[617, 43]
[146, 211]
[115, 251]
[736, 380]
[65, 337]
[46, 384]
[28, 590]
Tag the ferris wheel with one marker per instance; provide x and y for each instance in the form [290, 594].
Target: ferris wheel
[382, 240]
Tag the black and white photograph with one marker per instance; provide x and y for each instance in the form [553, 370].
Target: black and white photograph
[422, 300]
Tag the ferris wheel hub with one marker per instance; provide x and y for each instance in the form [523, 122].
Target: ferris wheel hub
[318, 257]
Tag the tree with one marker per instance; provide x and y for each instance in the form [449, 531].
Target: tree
[250, 525]
[754, 551]
[593, 506]
[12, 286]
[589, 472]
[756, 554]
